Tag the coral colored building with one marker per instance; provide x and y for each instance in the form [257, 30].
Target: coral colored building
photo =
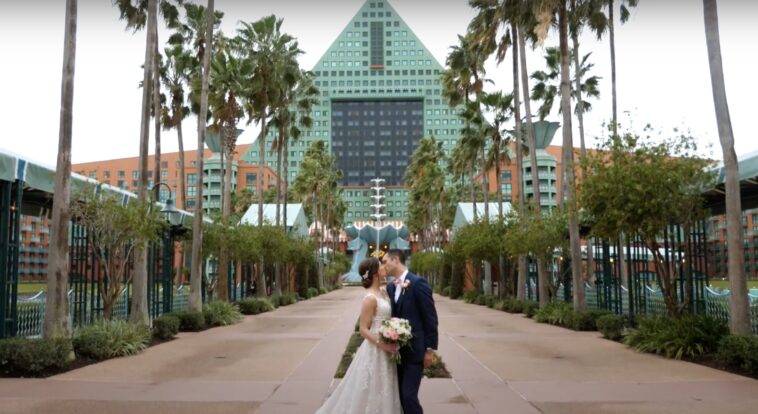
[124, 173]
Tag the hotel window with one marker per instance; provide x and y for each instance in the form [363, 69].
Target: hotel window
[191, 178]
[135, 174]
[121, 174]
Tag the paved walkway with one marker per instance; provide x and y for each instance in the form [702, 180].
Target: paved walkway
[283, 362]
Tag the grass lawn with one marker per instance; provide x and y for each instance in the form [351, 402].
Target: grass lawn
[724, 284]
[31, 287]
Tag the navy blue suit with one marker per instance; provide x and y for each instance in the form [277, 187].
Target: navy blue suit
[415, 304]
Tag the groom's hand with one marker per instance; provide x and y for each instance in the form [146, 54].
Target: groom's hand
[428, 358]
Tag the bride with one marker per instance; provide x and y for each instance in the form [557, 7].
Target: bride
[370, 383]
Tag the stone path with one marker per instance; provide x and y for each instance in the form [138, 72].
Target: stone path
[283, 362]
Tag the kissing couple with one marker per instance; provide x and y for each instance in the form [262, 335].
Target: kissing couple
[374, 383]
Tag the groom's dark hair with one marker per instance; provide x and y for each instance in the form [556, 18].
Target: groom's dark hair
[397, 253]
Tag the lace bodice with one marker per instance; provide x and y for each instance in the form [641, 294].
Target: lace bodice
[383, 311]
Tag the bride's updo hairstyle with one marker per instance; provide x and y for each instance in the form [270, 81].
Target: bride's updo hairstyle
[369, 269]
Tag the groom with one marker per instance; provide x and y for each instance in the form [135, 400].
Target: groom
[411, 298]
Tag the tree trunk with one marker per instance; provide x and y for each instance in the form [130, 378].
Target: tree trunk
[139, 311]
[181, 202]
[579, 101]
[261, 168]
[543, 282]
[279, 150]
[195, 299]
[612, 36]
[286, 178]
[522, 270]
[532, 144]
[568, 161]
[739, 320]
[485, 185]
[156, 91]
[229, 135]
[56, 306]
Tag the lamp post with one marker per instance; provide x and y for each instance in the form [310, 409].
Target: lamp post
[173, 218]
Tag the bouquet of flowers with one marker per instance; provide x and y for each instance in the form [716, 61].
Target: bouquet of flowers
[395, 331]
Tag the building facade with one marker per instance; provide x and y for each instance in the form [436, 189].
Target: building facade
[124, 173]
[380, 94]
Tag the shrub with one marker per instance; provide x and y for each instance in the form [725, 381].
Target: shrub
[322, 291]
[446, 291]
[688, 337]
[312, 292]
[513, 305]
[486, 300]
[470, 296]
[338, 286]
[586, 319]
[190, 321]
[254, 306]
[221, 313]
[31, 357]
[530, 308]
[287, 299]
[166, 326]
[739, 352]
[555, 313]
[612, 326]
[499, 305]
[110, 339]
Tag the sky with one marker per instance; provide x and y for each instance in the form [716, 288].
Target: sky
[662, 68]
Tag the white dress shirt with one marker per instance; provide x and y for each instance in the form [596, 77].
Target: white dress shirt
[398, 287]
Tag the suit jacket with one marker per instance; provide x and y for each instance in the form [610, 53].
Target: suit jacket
[416, 304]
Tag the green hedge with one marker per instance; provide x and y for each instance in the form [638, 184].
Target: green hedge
[312, 292]
[221, 314]
[190, 321]
[471, 296]
[33, 357]
[254, 306]
[555, 313]
[166, 326]
[530, 308]
[612, 326]
[740, 353]
[110, 339]
[287, 299]
[689, 337]
[586, 319]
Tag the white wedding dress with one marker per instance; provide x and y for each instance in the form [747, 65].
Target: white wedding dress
[370, 383]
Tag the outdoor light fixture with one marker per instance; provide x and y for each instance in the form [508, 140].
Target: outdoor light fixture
[169, 210]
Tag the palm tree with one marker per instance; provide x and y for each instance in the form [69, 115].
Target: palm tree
[461, 79]
[56, 306]
[283, 120]
[625, 5]
[548, 83]
[137, 16]
[306, 97]
[270, 51]
[739, 316]
[492, 15]
[174, 72]
[500, 106]
[195, 300]
[548, 9]
[227, 86]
